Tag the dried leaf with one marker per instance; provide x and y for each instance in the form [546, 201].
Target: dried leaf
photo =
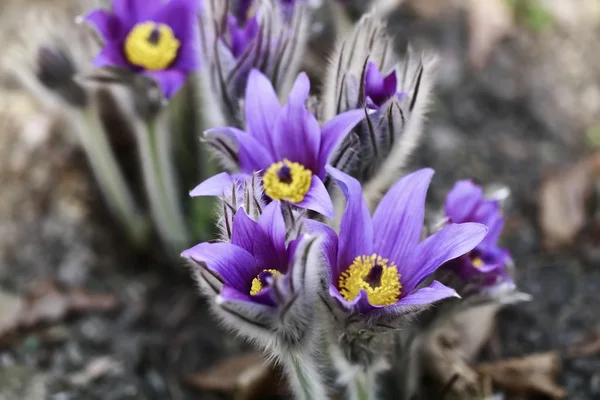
[96, 369]
[532, 374]
[47, 303]
[563, 202]
[489, 21]
[449, 346]
[246, 376]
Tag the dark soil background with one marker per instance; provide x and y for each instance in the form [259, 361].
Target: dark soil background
[499, 124]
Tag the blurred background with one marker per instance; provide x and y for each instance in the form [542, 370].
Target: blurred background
[86, 315]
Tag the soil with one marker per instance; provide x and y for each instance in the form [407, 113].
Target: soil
[487, 125]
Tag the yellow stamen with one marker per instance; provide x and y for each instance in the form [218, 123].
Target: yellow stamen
[257, 283]
[286, 180]
[477, 262]
[375, 275]
[152, 46]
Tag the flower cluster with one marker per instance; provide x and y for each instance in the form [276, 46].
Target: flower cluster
[322, 251]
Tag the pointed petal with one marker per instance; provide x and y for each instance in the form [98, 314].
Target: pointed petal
[297, 136]
[252, 155]
[233, 264]
[329, 242]
[317, 199]
[169, 80]
[261, 108]
[334, 130]
[106, 23]
[398, 219]
[243, 230]
[300, 90]
[462, 201]
[269, 239]
[214, 186]
[110, 55]
[356, 229]
[451, 242]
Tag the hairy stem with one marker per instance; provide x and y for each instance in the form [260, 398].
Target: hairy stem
[304, 376]
[154, 146]
[111, 181]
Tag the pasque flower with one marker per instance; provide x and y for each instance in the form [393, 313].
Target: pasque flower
[377, 263]
[261, 280]
[487, 261]
[156, 38]
[286, 143]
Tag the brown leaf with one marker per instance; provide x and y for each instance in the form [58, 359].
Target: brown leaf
[246, 376]
[490, 21]
[563, 202]
[46, 303]
[533, 374]
[448, 347]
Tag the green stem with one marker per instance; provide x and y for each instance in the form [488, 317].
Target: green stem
[108, 174]
[304, 377]
[157, 167]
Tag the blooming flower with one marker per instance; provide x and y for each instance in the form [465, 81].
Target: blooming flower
[285, 142]
[377, 262]
[261, 281]
[487, 262]
[156, 38]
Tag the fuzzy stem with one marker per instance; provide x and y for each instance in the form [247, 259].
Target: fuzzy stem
[155, 153]
[108, 173]
[304, 376]
[363, 387]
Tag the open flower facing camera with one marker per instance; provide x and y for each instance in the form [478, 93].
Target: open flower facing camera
[323, 256]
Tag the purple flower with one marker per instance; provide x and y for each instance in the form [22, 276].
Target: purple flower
[378, 88]
[241, 34]
[377, 262]
[256, 257]
[286, 143]
[156, 38]
[487, 262]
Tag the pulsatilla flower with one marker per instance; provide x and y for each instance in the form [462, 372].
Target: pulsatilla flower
[156, 38]
[487, 262]
[380, 260]
[262, 279]
[265, 35]
[366, 73]
[285, 143]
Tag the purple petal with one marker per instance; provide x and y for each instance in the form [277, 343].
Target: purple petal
[106, 23]
[297, 134]
[335, 129]
[462, 201]
[169, 80]
[229, 293]
[261, 108]
[329, 243]
[243, 230]
[398, 219]
[132, 11]
[214, 186]
[317, 199]
[252, 155]
[356, 229]
[111, 54]
[427, 295]
[259, 301]
[300, 90]
[180, 15]
[233, 264]
[269, 239]
[451, 242]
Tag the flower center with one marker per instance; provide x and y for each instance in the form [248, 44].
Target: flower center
[477, 262]
[286, 180]
[375, 275]
[260, 282]
[152, 46]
